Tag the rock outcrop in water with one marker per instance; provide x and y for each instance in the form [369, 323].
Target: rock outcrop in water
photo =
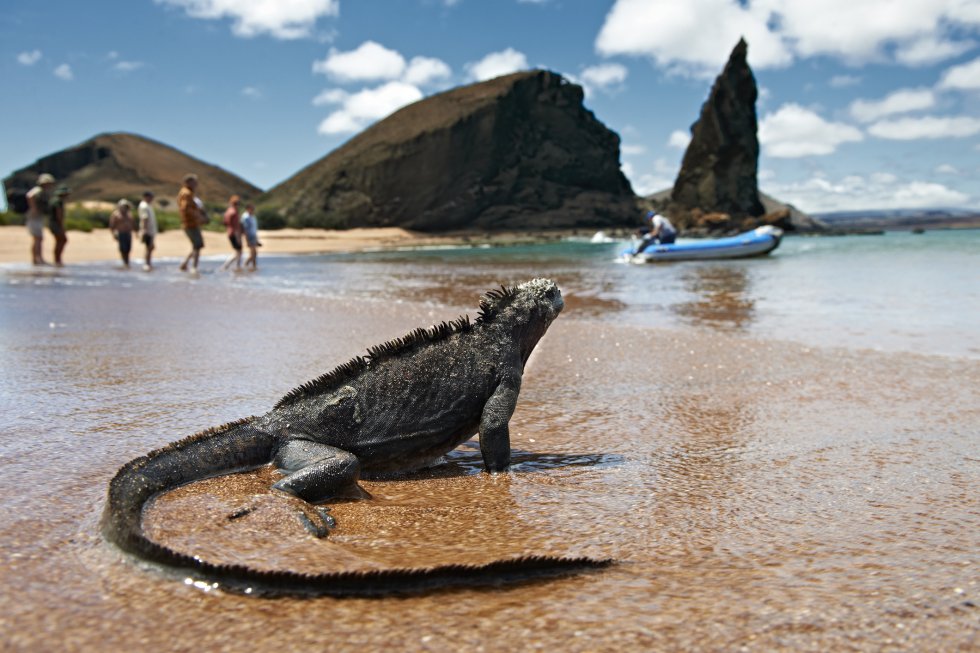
[718, 174]
[516, 152]
[112, 166]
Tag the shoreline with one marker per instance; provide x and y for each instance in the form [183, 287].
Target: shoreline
[99, 246]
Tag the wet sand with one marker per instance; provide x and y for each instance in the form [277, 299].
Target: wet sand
[98, 245]
[756, 495]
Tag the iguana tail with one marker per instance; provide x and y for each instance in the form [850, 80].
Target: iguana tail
[239, 445]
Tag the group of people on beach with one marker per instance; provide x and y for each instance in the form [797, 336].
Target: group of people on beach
[43, 203]
[193, 216]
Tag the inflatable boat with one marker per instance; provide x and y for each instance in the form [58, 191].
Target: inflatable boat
[758, 242]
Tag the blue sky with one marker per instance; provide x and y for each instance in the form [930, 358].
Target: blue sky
[863, 103]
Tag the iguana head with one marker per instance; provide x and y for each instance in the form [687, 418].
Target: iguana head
[543, 298]
[529, 309]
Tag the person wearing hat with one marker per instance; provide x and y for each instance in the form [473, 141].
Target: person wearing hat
[121, 224]
[190, 220]
[56, 223]
[661, 231]
[148, 226]
[38, 204]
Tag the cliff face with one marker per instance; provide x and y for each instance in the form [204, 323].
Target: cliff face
[718, 173]
[515, 152]
[113, 166]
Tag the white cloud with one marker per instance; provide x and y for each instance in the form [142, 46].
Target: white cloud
[696, 36]
[64, 72]
[946, 169]
[925, 194]
[127, 66]
[426, 70]
[929, 50]
[794, 131]
[604, 76]
[679, 139]
[646, 184]
[360, 109]
[370, 61]
[843, 81]
[283, 19]
[496, 64]
[331, 96]
[900, 101]
[861, 31]
[908, 129]
[632, 150]
[29, 58]
[883, 178]
[879, 191]
[252, 92]
[965, 77]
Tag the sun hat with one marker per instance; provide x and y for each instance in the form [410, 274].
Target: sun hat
[45, 178]
[124, 204]
[189, 177]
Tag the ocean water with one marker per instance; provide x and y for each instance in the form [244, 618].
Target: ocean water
[780, 454]
[898, 292]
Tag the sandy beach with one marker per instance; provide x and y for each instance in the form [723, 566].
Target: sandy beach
[98, 245]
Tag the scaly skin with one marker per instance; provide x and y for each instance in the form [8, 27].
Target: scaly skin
[405, 404]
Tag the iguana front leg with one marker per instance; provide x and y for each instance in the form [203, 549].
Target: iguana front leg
[494, 428]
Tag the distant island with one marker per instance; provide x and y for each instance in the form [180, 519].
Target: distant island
[901, 219]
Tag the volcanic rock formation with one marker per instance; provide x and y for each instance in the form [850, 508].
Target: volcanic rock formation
[113, 166]
[718, 173]
[515, 152]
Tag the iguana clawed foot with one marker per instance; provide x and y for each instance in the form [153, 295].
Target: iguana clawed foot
[322, 525]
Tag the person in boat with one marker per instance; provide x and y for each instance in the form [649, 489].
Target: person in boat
[661, 232]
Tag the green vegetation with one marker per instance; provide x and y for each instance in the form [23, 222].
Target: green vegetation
[9, 218]
[270, 219]
[320, 221]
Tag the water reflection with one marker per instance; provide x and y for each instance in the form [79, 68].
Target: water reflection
[721, 298]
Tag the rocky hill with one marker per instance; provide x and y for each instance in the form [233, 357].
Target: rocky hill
[716, 190]
[516, 152]
[112, 166]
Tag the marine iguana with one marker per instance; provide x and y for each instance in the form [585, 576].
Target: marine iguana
[399, 408]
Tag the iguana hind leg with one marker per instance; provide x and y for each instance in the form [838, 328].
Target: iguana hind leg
[316, 472]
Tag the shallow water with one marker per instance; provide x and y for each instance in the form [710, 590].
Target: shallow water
[758, 493]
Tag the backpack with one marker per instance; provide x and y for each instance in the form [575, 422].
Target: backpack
[17, 200]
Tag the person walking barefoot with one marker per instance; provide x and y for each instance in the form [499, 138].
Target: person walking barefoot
[250, 229]
[38, 201]
[148, 227]
[56, 223]
[190, 220]
[122, 225]
[233, 224]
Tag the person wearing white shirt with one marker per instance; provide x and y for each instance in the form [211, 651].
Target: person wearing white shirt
[148, 227]
[661, 231]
